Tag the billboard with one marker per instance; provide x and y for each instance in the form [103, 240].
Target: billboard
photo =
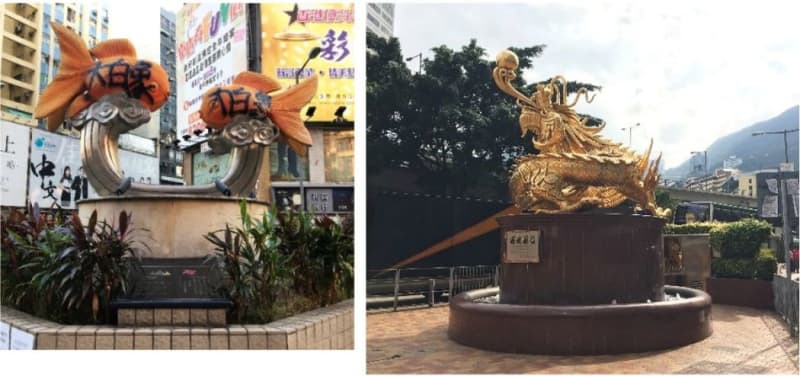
[56, 178]
[211, 43]
[14, 142]
[288, 34]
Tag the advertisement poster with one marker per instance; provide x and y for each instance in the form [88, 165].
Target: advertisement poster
[288, 34]
[14, 142]
[207, 167]
[142, 168]
[212, 49]
[55, 176]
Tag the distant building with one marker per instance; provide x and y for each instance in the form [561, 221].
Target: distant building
[722, 181]
[31, 55]
[732, 162]
[171, 158]
[380, 19]
[89, 20]
[21, 39]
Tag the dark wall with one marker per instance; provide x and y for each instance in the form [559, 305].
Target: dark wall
[400, 225]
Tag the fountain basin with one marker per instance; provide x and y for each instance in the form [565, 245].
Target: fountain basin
[172, 225]
[580, 329]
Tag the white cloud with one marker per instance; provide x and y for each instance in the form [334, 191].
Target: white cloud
[689, 72]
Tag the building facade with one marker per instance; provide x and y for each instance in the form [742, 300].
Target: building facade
[21, 35]
[722, 181]
[170, 156]
[89, 20]
[380, 19]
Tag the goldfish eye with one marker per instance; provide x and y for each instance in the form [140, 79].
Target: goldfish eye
[152, 87]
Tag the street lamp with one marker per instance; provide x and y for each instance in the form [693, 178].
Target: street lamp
[419, 56]
[783, 192]
[630, 133]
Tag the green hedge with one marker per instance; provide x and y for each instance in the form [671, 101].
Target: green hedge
[732, 268]
[691, 228]
[766, 265]
[740, 240]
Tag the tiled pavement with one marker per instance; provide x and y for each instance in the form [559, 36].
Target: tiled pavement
[745, 340]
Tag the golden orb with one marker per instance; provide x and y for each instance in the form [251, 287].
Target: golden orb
[507, 59]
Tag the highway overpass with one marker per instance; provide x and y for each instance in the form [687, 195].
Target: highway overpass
[725, 198]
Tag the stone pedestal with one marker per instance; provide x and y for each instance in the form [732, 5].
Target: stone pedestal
[172, 226]
[581, 259]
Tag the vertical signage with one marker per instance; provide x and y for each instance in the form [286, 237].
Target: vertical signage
[14, 143]
[212, 49]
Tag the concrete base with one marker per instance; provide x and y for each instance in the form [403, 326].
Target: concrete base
[580, 330]
[172, 226]
[584, 259]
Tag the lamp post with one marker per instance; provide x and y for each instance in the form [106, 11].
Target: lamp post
[630, 133]
[417, 56]
[783, 192]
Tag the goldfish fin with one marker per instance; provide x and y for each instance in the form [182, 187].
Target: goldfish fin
[291, 126]
[58, 94]
[114, 47]
[75, 57]
[68, 83]
[295, 97]
[56, 118]
[299, 148]
[286, 106]
[80, 103]
[257, 81]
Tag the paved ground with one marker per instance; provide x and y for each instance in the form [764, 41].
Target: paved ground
[744, 341]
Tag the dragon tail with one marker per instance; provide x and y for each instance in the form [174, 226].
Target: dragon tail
[651, 178]
[643, 162]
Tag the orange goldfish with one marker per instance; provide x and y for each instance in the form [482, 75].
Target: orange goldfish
[250, 95]
[86, 75]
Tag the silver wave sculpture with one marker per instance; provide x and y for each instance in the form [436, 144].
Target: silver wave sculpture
[104, 121]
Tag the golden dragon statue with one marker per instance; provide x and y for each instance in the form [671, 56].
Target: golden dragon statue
[576, 168]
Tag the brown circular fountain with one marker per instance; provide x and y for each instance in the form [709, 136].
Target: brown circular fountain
[580, 284]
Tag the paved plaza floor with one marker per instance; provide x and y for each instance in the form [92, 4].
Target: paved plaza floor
[745, 340]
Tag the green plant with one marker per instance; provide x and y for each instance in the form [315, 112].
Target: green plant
[296, 231]
[741, 239]
[765, 265]
[254, 267]
[333, 252]
[284, 263]
[64, 271]
[691, 228]
[732, 268]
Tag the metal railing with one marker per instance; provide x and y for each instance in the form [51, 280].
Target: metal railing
[786, 300]
[425, 286]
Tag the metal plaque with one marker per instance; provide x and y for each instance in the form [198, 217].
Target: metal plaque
[522, 246]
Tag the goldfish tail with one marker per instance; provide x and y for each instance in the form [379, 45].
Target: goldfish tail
[68, 83]
[285, 111]
[56, 118]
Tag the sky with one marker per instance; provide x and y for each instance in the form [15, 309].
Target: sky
[688, 72]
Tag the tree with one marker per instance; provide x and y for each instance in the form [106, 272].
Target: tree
[450, 125]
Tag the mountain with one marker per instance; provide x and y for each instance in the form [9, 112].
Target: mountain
[762, 152]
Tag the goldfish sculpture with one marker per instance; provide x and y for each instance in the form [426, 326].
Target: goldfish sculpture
[86, 75]
[258, 96]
